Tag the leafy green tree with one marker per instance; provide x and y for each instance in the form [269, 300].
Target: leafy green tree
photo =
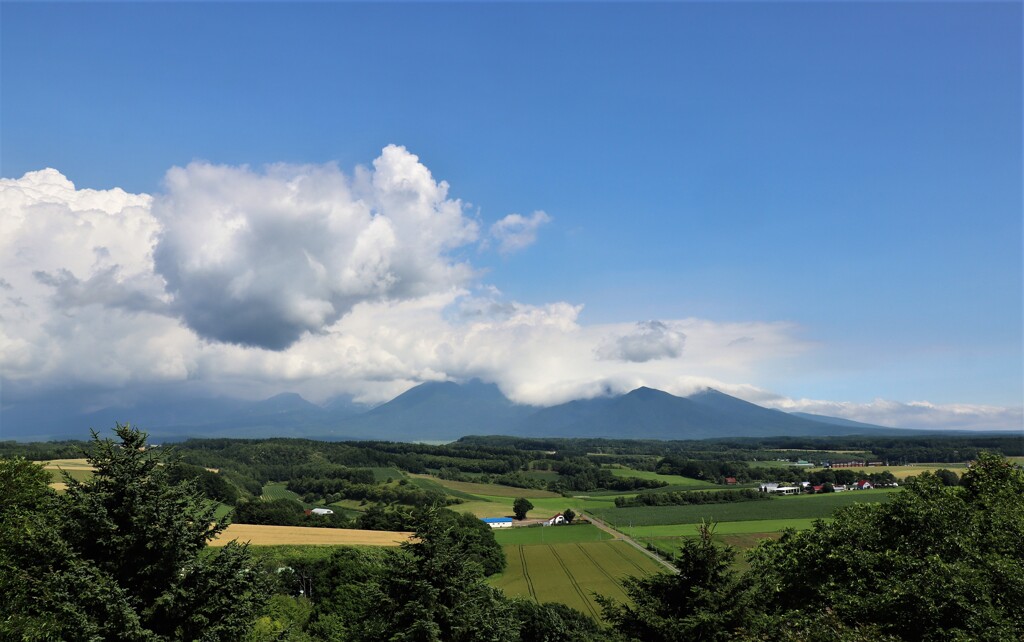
[569, 515]
[947, 477]
[521, 506]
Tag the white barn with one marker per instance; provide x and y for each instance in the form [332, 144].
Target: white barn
[498, 522]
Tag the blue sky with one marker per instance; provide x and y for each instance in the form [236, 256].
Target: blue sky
[851, 171]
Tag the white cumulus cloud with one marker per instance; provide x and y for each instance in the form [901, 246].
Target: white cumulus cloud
[259, 258]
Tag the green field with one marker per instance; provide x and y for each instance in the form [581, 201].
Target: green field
[572, 573]
[279, 490]
[550, 534]
[57, 474]
[222, 510]
[673, 480]
[643, 533]
[383, 474]
[778, 508]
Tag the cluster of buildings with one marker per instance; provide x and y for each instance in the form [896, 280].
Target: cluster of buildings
[806, 487]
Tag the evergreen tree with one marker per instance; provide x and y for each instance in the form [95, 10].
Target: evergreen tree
[118, 555]
[434, 592]
[704, 601]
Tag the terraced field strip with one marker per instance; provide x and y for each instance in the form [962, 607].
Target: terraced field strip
[493, 490]
[260, 535]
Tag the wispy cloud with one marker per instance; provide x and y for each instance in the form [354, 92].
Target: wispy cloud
[516, 232]
[913, 414]
[650, 340]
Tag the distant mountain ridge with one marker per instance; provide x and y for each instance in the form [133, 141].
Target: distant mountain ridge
[441, 411]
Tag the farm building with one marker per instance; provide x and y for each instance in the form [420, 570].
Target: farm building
[557, 519]
[779, 490]
[730, 480]
[864, 485]
[498, 522]
[322, 511]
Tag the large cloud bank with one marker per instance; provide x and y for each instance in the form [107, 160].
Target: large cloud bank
[305, 278]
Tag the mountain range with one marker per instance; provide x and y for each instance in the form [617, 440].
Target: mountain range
[437, 411]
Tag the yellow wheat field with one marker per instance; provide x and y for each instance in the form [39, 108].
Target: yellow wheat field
[259, 535]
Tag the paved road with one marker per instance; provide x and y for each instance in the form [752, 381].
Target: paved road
[619, 535]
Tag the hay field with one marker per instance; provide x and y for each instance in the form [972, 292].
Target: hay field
[260, 535]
